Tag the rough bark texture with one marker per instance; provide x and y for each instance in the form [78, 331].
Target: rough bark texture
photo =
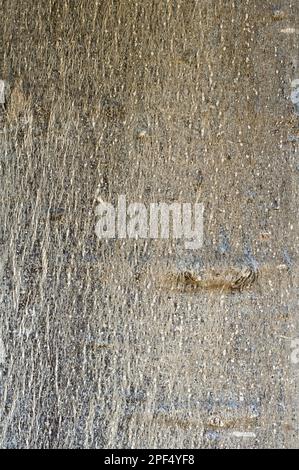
[126, 344]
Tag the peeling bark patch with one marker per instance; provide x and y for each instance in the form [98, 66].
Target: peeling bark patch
[226, 279]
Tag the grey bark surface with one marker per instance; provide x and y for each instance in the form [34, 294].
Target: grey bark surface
[129, 344]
